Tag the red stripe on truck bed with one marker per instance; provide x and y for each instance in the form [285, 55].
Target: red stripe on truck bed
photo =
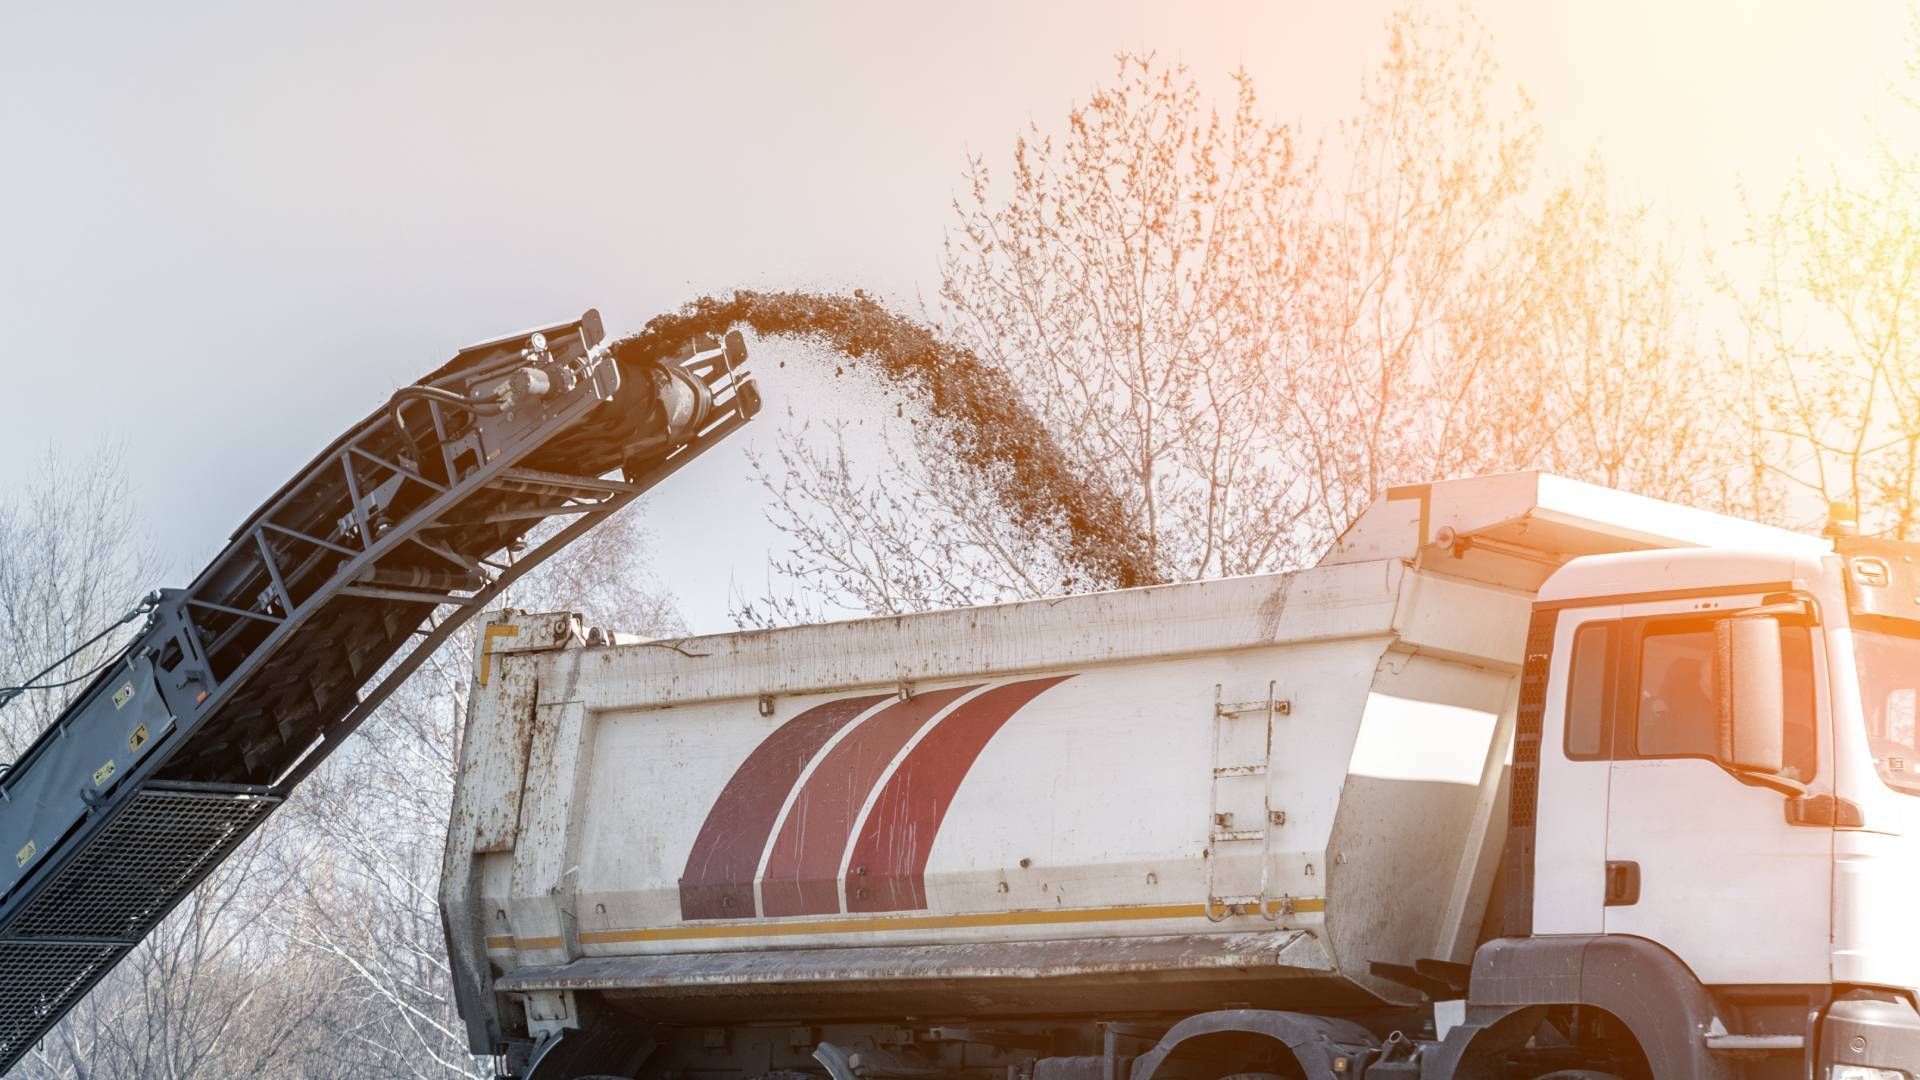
[718, 882]
[889, 864]
[803, 869]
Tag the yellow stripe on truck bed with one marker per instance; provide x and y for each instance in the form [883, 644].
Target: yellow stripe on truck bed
[882, 924]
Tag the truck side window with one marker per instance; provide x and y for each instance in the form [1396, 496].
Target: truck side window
[1679, 706]
[1590, 692]
[1679, 713]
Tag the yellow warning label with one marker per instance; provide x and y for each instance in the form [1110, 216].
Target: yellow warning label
[104, 773]
[138, 739]
[123, 695]
[26, 854]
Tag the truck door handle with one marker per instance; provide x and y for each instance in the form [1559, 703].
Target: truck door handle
[1623, 883]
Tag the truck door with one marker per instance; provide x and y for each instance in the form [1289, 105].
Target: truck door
[1698, 859]
[1571, 831]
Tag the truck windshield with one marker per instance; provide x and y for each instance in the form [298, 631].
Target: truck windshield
[1889, 666]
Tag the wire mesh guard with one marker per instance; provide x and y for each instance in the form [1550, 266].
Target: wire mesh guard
[104, 900]
[43, 981]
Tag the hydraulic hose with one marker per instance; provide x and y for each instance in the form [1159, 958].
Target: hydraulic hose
[433, 393]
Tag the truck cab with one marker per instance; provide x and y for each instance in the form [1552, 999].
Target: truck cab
[1715, 767]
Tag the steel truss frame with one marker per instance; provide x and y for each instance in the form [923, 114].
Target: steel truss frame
[321, 605]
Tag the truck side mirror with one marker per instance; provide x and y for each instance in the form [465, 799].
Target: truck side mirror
[1752, 675]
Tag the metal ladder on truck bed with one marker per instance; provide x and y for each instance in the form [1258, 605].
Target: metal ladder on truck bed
[322, 603]
[1252, 824]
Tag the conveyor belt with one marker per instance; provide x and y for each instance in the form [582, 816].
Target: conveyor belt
[324, 601]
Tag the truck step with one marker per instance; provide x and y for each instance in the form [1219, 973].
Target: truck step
[1769, 1044]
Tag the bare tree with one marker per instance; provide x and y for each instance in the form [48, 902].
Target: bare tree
[1606, 353]
[71, 564]
[918, 533]
[1396, 371]
[1114, 280]
[1827, 347]
[1111, 280]
[1252, 338]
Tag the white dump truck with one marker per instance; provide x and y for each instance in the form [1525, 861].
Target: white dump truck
[1526, 778]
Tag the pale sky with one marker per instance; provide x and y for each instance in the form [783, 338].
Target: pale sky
[228, 231]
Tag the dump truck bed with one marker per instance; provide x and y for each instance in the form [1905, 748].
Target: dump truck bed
[1253, 787]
